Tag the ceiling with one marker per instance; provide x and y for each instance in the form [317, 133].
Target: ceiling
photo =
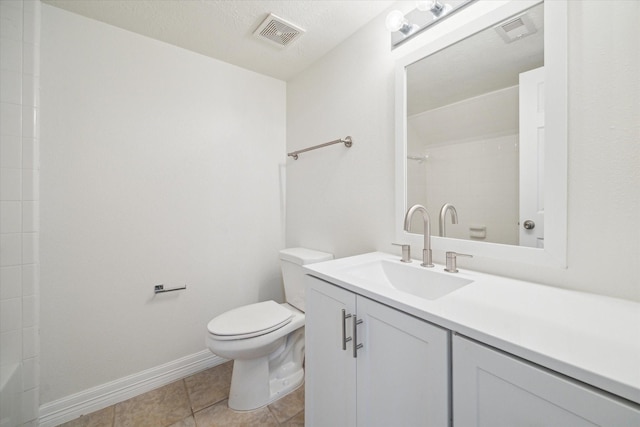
[223, 29]
[476, 65]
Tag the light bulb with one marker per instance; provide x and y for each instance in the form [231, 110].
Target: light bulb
[424, 5]
[395, 21]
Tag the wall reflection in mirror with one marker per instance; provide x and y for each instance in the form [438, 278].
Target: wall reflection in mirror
[475, 134]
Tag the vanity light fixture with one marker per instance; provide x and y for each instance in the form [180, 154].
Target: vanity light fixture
[435, 7]
[397, 22]
[427, 13]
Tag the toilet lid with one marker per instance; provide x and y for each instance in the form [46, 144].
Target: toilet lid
[250, 320]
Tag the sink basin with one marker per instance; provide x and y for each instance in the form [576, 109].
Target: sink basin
[409, 278]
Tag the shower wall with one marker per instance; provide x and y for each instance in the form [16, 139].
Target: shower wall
[19, 207]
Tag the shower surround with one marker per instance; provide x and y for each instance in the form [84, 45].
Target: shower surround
[19, 211]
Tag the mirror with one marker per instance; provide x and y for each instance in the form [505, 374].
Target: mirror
[474, 133]
[463, 133]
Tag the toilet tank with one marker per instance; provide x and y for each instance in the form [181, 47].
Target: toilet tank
[291, 262]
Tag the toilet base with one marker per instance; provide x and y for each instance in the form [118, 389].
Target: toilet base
[258, 382]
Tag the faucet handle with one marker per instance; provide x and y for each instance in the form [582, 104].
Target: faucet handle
[406, 251]
[451, 256]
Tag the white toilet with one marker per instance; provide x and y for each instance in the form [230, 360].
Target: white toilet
[266, 339]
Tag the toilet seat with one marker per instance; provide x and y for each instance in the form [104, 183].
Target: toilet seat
[250, 321]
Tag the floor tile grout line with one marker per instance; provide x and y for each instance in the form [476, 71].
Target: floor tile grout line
[188, 386]
[273, 415]
[184, 382]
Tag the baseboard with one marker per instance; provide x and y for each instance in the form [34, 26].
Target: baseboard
[102, 396]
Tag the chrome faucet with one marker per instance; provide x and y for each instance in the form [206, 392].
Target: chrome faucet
[443, 213]
[426, 252]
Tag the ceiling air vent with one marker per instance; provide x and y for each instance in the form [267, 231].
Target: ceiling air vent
[516, 28]
[277, 31]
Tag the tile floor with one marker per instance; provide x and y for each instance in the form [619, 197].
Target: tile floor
[196, 401]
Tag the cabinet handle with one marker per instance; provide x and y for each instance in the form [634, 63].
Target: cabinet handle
[356, 346]
[345, 339]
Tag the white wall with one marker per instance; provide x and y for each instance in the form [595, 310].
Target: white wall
[159, 165]
[19, 289]
[342, 200]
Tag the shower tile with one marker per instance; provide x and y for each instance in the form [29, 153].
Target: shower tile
[11, 19]
[29, 342]
[18, 4]
[210, 386]
[11, 87]
[10, 184]
[288, 406]
[30, 7]
[30, 219]
[11, 54]
[221, 415]
[30, 90]
[30, 373]
[161, 407]
[30, 153]
[29, 311]
[30, 249]
[10, 119]
[29, 279]
[31, 26]
[31, 60]
[10, 249]
[10, 217]
[10, 282]
[10, 314]
[29, 121]
[30, 182]
[101, 418]
[10, 151]
[11, 347]
[30, 404]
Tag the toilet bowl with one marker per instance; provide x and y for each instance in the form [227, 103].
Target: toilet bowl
[266, 339]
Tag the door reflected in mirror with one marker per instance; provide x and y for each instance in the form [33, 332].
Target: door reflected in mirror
[475, 134]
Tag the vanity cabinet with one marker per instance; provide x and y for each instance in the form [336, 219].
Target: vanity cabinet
[492, 388]
[368, 364]
[397, 376]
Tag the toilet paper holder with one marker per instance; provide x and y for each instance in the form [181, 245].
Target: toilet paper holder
[159, 289]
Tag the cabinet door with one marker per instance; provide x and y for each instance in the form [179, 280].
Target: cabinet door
[493, 389]
[403, 369]
[330, 390]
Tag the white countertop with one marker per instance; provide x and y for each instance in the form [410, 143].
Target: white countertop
[592, 338]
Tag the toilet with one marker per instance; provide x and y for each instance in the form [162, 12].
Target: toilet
[266, 339]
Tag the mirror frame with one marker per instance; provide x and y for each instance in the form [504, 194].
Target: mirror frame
[554, 253]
